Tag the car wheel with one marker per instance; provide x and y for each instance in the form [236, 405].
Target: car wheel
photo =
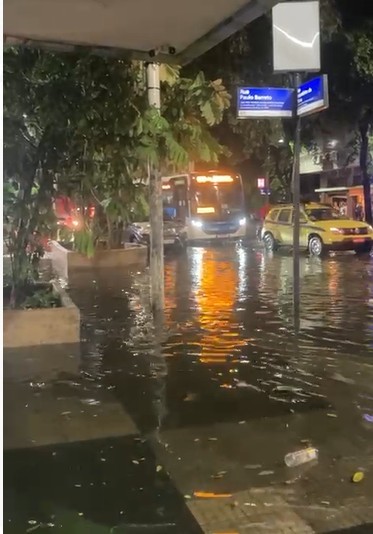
[270, 242]
[315, 246]
[364, 249]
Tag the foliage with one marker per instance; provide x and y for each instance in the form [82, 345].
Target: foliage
[112, 164]
[29, 155]
[81, 125]
[43, 298]
[259, 146]
[349, 118]
[363, 47]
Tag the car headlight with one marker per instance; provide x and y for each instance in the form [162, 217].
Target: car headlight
[336, 230]
[242, 221]
[196, 223]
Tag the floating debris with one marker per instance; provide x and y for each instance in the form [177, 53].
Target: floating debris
[287, 389]
[31, 529]
[211, 495]
[341, 378]
[38, 385]
[266, 473]
[293, 459]
[191, 397]
[358, 476]
[243, 384]
[159, 468]
[90, 402]
[220, 474]
[368, 418]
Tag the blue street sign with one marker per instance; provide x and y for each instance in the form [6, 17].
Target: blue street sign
[259, 102]
[313, 95]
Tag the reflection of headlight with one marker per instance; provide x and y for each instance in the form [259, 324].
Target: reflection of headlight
[198, 224]
[243, 221]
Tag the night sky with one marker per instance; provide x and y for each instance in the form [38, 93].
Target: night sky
[355, 12]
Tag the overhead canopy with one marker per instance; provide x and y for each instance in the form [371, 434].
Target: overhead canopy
[175, 31]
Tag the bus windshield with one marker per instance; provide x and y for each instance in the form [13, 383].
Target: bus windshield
[217, 199]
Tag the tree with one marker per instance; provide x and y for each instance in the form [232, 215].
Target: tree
[112, 150]
[32, 139]
[363, 46]
[81, 125]
[246, 59]
[348, 120]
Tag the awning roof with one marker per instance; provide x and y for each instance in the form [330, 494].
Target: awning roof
[135, 26]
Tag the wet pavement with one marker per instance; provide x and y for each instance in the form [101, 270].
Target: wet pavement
[120, 437]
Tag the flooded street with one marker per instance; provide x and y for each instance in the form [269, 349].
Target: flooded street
[121, 437]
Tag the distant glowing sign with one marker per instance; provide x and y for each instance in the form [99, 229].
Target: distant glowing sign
[206, 210]
[261, 183]
[215, 179]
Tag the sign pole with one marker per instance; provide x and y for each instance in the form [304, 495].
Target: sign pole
[155, 206]
[296, 207]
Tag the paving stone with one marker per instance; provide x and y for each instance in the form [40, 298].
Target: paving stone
[248, 512]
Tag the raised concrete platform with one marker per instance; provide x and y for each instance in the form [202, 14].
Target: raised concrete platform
[44, 326]
[65, 262]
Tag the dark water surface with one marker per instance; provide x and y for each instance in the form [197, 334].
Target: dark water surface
[226, 387]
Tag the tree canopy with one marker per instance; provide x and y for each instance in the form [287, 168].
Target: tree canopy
[81, 125]
[246, 59]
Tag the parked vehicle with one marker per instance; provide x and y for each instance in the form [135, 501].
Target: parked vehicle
[173, 233]
[134, 234]
[322, 228]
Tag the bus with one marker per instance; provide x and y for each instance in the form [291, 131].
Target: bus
[210, 205]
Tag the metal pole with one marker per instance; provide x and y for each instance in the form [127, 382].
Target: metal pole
[155, 205]
[267, 176]
[296, 206]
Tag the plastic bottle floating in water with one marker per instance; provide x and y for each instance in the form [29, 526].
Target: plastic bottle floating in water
[301, 457]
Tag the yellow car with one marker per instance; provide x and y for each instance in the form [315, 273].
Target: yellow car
[322, 228]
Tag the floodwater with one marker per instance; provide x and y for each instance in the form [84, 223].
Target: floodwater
[211, 403]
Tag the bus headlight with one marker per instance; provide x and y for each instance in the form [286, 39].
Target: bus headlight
[198, 224]
[242, 221]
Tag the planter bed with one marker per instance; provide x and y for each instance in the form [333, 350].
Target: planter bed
[42, 326]
[64, 261]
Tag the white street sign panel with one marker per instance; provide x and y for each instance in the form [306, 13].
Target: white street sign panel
[296, 36]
